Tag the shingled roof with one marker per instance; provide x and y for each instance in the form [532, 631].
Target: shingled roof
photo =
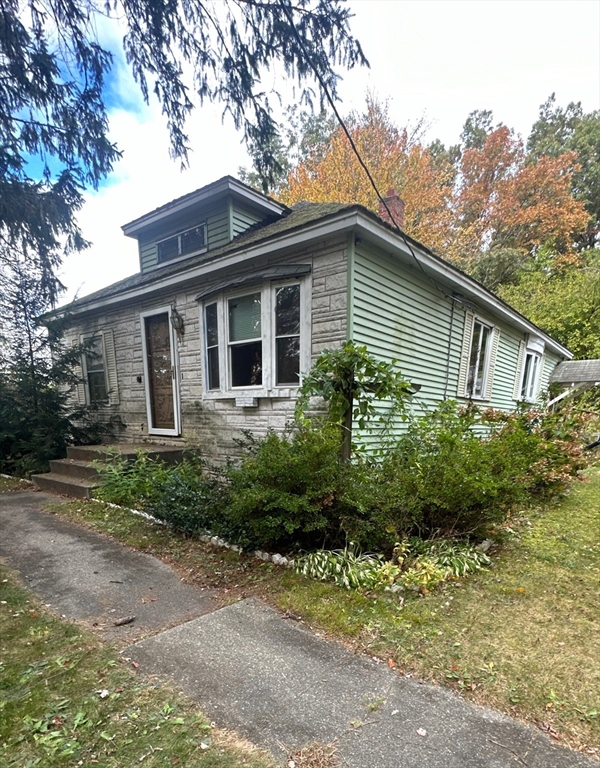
[576, 372]
[298, 216]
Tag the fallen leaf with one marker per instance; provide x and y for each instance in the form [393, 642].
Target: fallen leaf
[391, 663]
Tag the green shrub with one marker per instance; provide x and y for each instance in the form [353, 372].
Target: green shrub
[447, 476]
[190, 499]
[129, 483]
[288, 490]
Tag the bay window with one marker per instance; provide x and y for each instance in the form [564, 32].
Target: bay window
[254, 341]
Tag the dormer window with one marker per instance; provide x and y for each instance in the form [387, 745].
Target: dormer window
[182, 244]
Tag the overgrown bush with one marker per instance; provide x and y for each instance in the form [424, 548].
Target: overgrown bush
[447, 476]
[191, 499]
[184, 495]
[288, 491]
[129, 483]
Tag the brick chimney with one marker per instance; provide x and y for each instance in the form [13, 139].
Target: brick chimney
[396, 206]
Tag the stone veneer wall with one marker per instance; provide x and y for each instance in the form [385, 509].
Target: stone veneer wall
[214, 424]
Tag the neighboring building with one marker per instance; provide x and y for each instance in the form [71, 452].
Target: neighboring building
[237, 294]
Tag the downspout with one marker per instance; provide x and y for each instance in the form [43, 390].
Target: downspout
[350, 254]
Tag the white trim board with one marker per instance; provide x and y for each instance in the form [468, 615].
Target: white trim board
[340, 223]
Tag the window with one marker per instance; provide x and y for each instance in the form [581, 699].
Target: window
[211, 325]
[529, 369]
[287, 335]
[478, 360]
[529, 382]
[245, 341]
[254, 340]
[95, 371]
[182, 244]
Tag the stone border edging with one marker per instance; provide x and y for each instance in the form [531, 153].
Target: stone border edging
[276, 559]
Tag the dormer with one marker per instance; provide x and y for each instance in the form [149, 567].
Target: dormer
[196, 225]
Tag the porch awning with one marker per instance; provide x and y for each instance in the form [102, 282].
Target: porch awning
[572, 372]
[283, 272]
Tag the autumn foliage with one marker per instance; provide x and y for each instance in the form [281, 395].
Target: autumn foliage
[464, 203]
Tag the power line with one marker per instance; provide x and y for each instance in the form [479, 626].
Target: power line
[340, 120]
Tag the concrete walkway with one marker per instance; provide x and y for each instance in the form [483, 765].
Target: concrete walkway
[254, 671]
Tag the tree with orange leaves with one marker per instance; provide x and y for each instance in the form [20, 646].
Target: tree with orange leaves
[485, 205]
[504, 202]
[395, 158]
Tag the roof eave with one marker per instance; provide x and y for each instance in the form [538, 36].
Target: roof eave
[448, 273]
[225, 185]
[370, 225]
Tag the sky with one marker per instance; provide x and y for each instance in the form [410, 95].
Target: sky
[440, 59]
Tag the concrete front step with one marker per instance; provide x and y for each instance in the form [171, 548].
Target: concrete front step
[64, 485]
[167, 453]
[77, 476]
[72, 468]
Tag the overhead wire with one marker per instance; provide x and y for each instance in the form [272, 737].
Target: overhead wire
[356, 151]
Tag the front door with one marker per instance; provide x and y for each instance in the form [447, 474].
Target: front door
[161, 378]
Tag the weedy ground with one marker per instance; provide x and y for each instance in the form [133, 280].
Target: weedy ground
[13, 484]
[521, 637]
[67, 699]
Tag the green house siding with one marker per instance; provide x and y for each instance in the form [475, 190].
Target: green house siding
[398, 314]
[550, 362]
[217, 232]
[243, 218]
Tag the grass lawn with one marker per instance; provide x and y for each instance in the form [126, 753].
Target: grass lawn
[67, 700]
[522, 637]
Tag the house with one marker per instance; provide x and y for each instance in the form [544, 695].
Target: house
[237, 295]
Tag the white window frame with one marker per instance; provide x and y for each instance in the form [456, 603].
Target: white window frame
[86, 384]
[533, 348]
[268, 388]
[176, 373]
[486, 361]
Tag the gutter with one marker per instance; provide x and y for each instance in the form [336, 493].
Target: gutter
[355, 218]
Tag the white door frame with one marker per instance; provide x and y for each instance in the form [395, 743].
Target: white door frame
[175, 367]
